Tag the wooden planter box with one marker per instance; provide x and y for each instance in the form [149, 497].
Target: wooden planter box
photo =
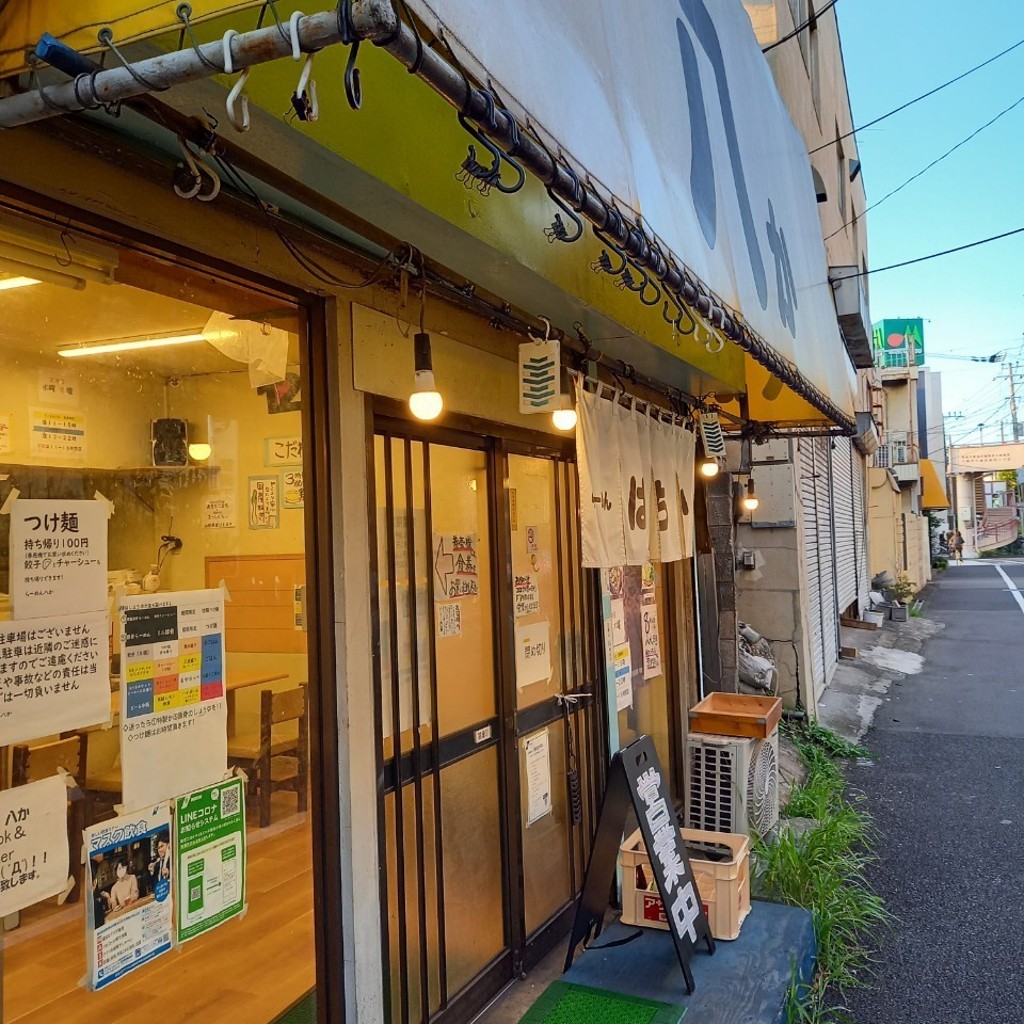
[736, 714]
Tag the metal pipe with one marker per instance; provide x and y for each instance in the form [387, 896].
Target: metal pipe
[91, 90]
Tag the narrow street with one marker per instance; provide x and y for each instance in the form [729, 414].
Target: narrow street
[945, 791]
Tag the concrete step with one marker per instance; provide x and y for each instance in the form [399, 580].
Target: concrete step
[747, 981]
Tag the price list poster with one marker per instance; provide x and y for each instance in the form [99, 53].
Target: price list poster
[173, 708]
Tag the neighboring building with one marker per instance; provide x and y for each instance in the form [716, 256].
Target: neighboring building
[425, 638]
[903, 485]
[985, 481]
[810, 529]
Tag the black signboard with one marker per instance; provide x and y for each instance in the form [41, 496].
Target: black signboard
[635, 774]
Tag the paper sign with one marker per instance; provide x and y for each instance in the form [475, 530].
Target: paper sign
[449, 619]
[263, 503]
[57, 435]
[219, 511]
[58, 556]
[526, 596]
[652, 641]
[54, 675]
[5, 433]
[128, 916]
[59, 388]
[456, 573]
[618, 621]
[292, 490]
[283, 451]
[623, 678]
[539, 367]
[538, 777]
[173, 713]
[33, 843]
[533, 654]
[532, 540]
[209, 844]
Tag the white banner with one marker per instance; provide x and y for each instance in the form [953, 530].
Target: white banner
[684, 446]
[636, 484]
[666, 543]
[703, 145]
[597, 460]
[634, 470]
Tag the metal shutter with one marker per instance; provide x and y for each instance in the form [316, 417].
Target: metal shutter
[816, 517]
[860, 530]
[844, 522]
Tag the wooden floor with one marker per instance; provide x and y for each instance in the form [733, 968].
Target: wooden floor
[248, 971]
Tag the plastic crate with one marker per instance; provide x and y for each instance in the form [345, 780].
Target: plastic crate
[736, 714]
[724, 884]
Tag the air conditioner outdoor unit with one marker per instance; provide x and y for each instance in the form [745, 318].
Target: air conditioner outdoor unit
[733, 783]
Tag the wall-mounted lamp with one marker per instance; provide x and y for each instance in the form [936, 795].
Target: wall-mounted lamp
[425, 402]
[750, 500]
[199, 447]
[564, 417]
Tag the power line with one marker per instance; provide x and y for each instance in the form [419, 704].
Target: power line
[937, 160]
[917, 99]
[930, 256]
[815, 15]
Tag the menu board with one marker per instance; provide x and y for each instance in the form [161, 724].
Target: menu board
[173, 711]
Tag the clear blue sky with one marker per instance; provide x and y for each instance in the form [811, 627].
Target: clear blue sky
[973, 302]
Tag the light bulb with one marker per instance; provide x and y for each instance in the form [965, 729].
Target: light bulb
[564, 417]
[750, 501]
[425, 402]
[709, 467]
[199, 451]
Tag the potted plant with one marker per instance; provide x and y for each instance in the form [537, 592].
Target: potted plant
[902, 591]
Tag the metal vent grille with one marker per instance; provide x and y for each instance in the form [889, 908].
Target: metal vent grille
[712, 774]
[763, 789]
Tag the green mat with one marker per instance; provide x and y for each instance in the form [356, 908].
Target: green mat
[564, 1003]
[303, 1012]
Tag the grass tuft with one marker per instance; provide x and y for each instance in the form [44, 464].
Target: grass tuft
[823, 869]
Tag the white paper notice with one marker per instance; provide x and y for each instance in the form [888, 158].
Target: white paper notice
[533, 654]
[129, 919]
[57, 435]
[618, 621]
[58, 556]
[652, 641]
[220, 511]
[449, 619]
[54, 675]
[173, 712]
[33, 843]
[525, 595]
[538, 777]
[623, 678]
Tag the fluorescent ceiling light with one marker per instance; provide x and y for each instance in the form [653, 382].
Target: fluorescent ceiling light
[16, 282]
[103, 348]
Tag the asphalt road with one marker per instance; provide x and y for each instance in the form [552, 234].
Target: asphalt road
[947, 794]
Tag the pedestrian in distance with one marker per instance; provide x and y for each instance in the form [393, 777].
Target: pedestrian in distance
[958, 546]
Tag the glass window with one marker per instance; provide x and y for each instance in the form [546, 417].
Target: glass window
[160, 412]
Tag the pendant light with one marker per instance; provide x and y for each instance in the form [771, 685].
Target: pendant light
[709, 467]
[564, 417]
[425, 402]
[750, 499]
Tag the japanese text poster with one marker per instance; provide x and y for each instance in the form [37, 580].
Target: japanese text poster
[58, 556]
[219, 512]
[57, 435]
[538, 776]
[623, 677]
[129, 912]
[173, 711]
[264, 513]
[209, 844]
[652, 641]
[33, 843]
[456, 573]
[533, 654]
[293, 492]
[525, 594]
[54, 675]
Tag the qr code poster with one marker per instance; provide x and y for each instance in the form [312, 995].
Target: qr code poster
[209, 829]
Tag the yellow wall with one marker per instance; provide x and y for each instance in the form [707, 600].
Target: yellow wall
[884, 541]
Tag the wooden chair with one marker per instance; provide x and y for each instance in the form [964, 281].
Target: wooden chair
[32, 764]
[275, 758]
[101, 786]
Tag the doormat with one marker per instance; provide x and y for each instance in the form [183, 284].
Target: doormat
[565, 1003]
[303, 1012]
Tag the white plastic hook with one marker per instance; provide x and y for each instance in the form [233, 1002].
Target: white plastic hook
[240, 122]
[304, 100]
[196, 170]
[547, 331]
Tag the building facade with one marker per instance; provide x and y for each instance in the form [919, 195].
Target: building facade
[226, 327]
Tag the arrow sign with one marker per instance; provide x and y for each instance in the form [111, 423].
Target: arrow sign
[538, 376]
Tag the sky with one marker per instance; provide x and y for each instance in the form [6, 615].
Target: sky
[972, 302]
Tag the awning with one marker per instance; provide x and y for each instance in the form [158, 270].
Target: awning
[933, 493]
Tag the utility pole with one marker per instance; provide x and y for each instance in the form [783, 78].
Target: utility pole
[1012, 370]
